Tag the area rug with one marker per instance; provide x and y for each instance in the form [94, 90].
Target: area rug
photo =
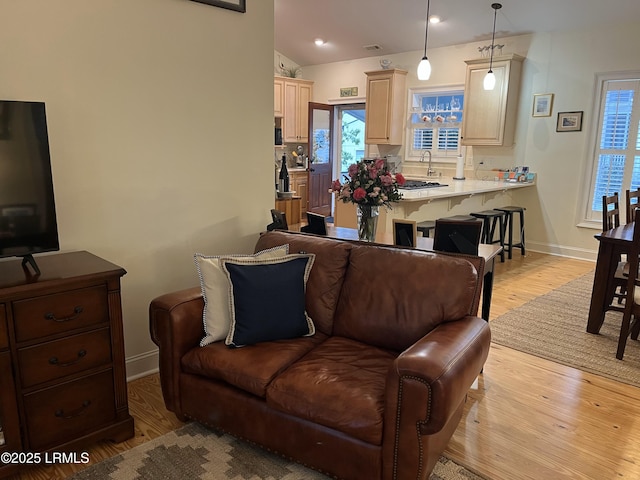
[195, 452]
[553, 326]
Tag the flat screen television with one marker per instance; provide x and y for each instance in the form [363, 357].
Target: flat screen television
[27, 208]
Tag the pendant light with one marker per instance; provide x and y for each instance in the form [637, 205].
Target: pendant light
[490, 79]
[424, 67]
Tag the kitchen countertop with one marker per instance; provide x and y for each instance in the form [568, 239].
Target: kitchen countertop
[458, 188]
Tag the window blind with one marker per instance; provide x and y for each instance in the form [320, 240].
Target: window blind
[435, 122]
[617, 165]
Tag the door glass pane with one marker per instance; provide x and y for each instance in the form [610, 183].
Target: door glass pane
[352, 138]
[321, 143]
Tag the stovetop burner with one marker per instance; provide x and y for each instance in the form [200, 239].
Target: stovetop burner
[417, 184]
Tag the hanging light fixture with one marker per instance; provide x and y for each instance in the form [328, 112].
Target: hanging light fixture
[490, 78]
[424, 67]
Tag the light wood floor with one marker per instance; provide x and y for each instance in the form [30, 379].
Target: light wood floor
[526, 418]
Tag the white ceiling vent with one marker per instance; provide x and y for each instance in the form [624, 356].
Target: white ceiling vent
[372, 48]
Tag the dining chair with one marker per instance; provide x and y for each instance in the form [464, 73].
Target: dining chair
[610, 216]
[611, 219]
[631, 309]
[632, 199]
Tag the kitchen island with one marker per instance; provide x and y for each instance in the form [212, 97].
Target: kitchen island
[458, 197]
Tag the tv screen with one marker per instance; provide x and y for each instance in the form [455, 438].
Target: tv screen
[27, 208]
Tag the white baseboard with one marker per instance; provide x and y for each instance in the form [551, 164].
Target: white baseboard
[142, 365]
[562, 251]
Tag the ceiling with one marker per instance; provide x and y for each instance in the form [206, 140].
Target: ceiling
[398, 25]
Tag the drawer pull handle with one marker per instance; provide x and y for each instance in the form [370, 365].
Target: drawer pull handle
[55, 361]
[76, 313]
[77, 413]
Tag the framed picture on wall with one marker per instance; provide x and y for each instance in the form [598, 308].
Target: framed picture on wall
[237, 5]
[569, 122]
[542, 104]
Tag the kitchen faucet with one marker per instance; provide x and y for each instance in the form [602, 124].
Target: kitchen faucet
[430, 171]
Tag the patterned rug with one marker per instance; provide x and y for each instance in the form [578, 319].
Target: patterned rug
[553, 326]
[195, 452]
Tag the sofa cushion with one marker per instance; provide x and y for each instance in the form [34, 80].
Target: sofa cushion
[325, 280]
[392, 307]
[267, 298]
[251, 368]
[339, 384]
[214, 283]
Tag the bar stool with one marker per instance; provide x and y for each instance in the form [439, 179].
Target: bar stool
[509, 245]
[491, 218]
[425, 227]
[459, 218]
[428, 225]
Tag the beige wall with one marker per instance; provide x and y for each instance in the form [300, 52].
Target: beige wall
[150, 105]
[564, 64]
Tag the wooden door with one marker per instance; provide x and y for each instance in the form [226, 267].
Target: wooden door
[320, 157]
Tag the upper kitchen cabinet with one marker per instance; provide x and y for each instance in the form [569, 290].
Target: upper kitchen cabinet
[386, 99]
[297, 95]
[490, 115]
[278, 97]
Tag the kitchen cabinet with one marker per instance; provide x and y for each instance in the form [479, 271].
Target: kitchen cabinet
[386, 100]
[291, 209]
[62, 369]
[490, 115]
[300, 185]
[278, 97]
[297, 95]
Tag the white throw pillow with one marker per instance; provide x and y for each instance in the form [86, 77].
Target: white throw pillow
[215, 290]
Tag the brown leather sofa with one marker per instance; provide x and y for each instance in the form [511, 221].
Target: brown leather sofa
[379, 389]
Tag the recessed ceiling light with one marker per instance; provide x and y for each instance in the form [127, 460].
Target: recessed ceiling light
[434, 19]
[319, 42]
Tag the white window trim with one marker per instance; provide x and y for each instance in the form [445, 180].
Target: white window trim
[585, 218]
[408, 131]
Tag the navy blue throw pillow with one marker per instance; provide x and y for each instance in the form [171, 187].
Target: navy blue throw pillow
[267, 298]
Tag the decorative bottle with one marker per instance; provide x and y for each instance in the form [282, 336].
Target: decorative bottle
[283, 184]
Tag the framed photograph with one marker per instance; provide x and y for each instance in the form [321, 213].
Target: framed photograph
[542, 104]
[405, 232]
[237, 5]
[569, 122]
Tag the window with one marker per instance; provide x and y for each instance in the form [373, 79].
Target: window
[616, 160]
[435, 121]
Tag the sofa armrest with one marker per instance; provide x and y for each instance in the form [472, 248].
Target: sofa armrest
[425, 389]
[176, 326]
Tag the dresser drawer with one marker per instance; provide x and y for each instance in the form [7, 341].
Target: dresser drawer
[50, 314]
[69, 410]
[4, 335]
[58, 358]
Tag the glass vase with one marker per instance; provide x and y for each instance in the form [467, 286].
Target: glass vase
[367, 222]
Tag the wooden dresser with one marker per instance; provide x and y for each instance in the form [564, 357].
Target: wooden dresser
[62, 369]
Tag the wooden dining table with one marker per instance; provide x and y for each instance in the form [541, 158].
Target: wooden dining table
[487, 251]
[612, 244]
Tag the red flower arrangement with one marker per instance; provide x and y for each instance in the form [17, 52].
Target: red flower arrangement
[369, 183]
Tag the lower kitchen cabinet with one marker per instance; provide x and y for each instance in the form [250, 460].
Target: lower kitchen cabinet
[291, 209]
[300, 185]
